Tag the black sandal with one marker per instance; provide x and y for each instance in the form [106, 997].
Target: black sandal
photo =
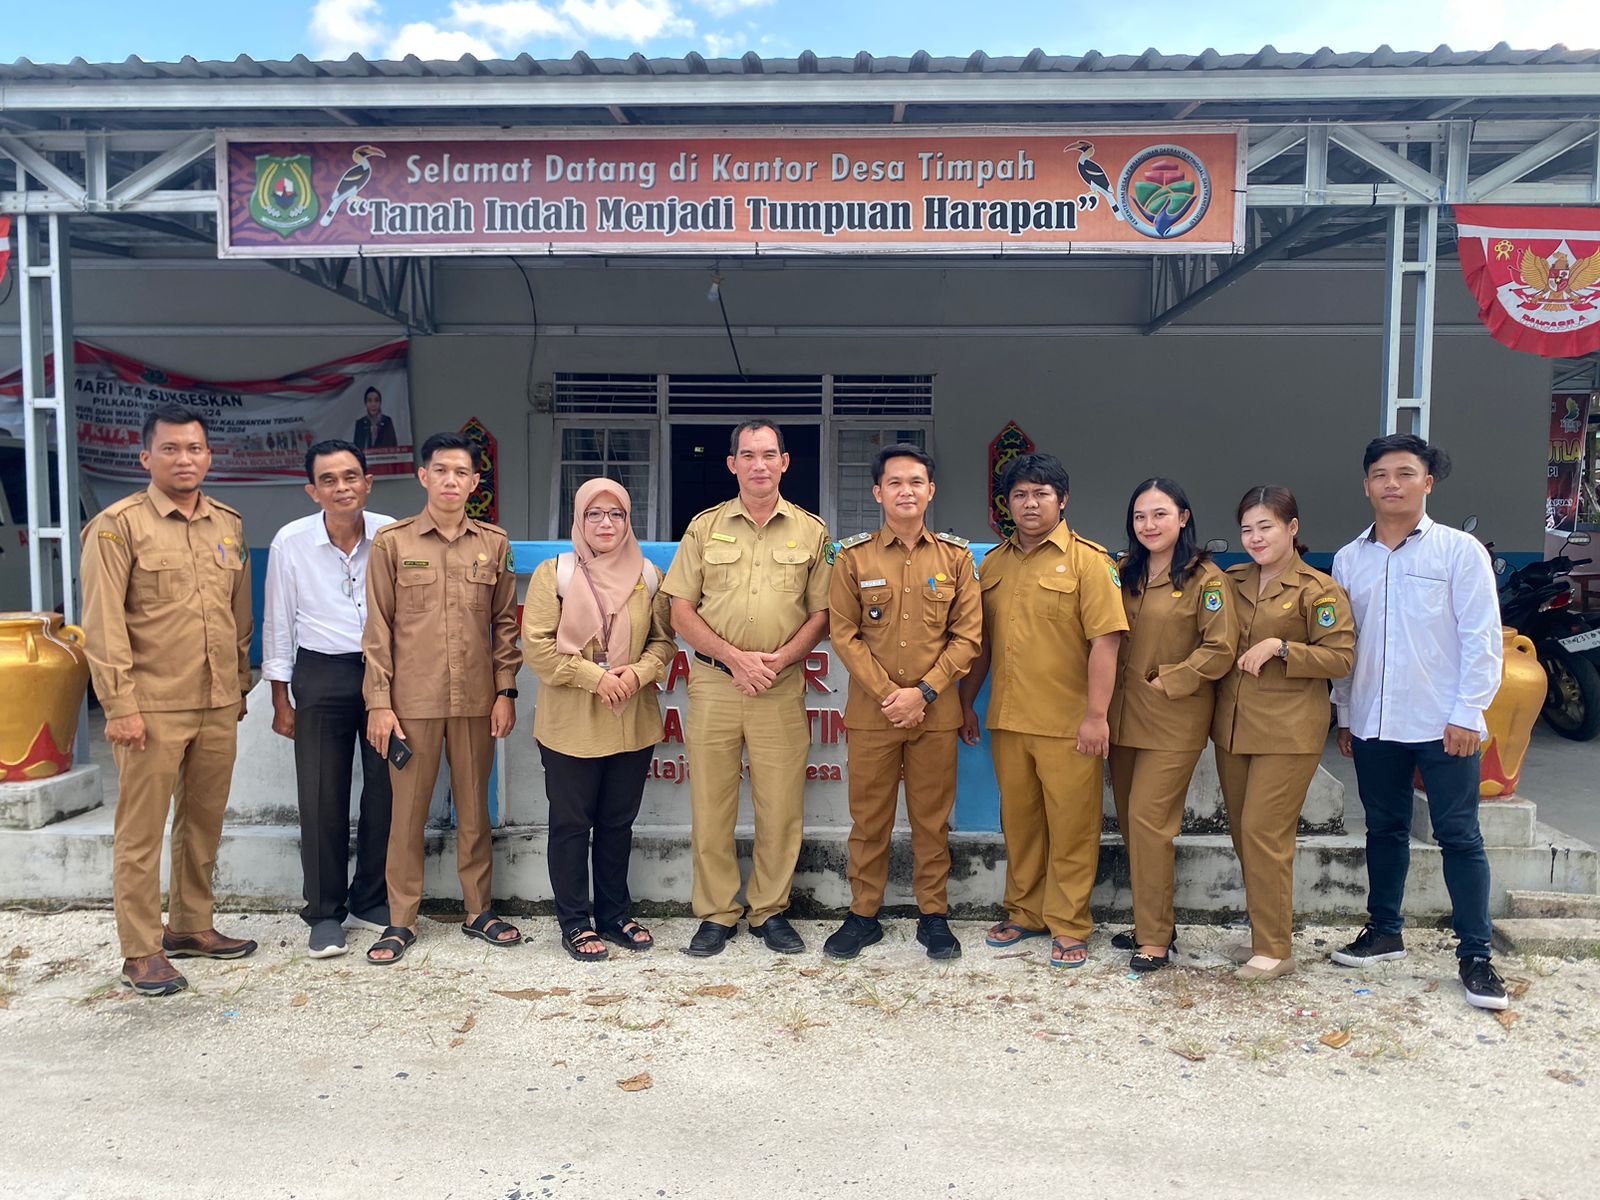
[629, 934]
[1143, 964]
[573, 941]
[487, 929]
[394, 938]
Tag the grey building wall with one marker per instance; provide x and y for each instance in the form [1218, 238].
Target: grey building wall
[1276, 379]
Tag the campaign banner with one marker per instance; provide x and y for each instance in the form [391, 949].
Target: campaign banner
[1536, 275]
[260, 429]
[1177, 190]
[1569, 421]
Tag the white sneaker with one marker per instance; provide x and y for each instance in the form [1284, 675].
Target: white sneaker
[354, 922]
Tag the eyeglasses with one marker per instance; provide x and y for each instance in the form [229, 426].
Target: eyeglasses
[349, 584]
[596, 515]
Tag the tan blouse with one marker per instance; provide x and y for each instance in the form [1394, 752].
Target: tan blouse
[568, 716]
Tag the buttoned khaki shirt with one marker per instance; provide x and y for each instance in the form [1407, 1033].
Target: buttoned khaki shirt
[1040, 611]
[166, 605]
[569, 717]
[441, 635]
[902, 615]
[1186, 638]
[1285, 710]
[754, 585]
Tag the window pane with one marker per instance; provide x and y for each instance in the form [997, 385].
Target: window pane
[620, 453]
[628, 445]
[581, 445]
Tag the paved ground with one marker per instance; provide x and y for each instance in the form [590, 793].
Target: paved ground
[475, 1072]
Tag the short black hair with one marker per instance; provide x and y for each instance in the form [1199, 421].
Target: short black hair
[1435, 459]
[901, 450]
[332, 446]
[173, 414]
[1035, 468]
[447, 441]
[372, 391]
[751, 425]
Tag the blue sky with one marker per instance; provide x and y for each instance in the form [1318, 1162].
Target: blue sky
[110, 30]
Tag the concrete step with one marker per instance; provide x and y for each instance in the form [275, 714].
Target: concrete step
[1552, 905]
[1559, 937]
[35, 803]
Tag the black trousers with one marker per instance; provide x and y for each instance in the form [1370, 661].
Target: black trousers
[330, 721]
[598, 799]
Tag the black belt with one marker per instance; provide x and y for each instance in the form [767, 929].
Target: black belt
[714, 662]
[356, 657]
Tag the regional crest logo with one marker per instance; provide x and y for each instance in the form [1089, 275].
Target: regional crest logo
[1164, 191]
[284, 199]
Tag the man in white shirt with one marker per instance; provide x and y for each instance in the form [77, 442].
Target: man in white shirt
[1428, 662]
[311, 644]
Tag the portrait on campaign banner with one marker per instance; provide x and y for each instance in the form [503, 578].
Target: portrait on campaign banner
[260, 429]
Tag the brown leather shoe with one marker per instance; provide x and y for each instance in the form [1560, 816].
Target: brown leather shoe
[208, 944]
[152, 975]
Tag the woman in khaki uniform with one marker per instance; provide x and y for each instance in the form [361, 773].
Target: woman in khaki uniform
[595, 630]
[1181, 638]
[1296, 634]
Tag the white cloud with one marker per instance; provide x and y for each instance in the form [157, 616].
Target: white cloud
[724, 8]
[719, 45]
[513, 21]
[340, 28]
[634, 21]
[426, 40]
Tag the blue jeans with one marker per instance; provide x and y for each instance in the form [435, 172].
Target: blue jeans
[1384, 771]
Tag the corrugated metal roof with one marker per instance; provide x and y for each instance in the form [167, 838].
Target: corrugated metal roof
[807, 63]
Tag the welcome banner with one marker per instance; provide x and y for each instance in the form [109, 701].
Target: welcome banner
[260, 429]
[1157, 190]
[1536, 275]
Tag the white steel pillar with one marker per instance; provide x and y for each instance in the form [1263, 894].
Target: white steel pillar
[1408, 413]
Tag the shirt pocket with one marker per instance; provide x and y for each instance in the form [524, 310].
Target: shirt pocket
[160, 575]
[415, 591]
[790, 568]
[1056, 597]
[481, 578]
[936, 603]
[721, 562]
[1425, 596]
[877, 600]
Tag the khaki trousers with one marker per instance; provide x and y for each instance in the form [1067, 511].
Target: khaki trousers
[187, 763]
[1050, 797]
[470, 750]
[1264, 794]
[877, 758]
[1149, 787]
[772, 727]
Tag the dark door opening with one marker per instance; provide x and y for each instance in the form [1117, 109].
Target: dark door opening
[700, 475]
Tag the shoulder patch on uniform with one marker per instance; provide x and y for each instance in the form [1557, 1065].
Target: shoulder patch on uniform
[112, 537]
[953, 539]
[854, 540]
[511, 559]
[1116, 579]
[1211, 596]
[1324, 600]
[1325, 614]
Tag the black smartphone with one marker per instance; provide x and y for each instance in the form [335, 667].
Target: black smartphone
[399, 753]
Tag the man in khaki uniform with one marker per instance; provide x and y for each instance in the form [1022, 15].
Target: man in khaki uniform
[749, 590]
[166, 588]
[905, 621]
[1052, 625]
[442, 659]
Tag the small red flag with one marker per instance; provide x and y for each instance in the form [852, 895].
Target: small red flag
[5, 245]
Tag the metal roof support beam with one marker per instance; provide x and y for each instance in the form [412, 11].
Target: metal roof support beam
[1409, 414]
[1531, 159]
[157, 171]
[1274, 144]
[1425, 186]
[1590, 365]
[53, 178]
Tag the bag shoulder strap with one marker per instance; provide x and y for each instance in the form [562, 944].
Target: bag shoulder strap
[567, 567]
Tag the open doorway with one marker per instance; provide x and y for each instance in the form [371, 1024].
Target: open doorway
[700, 475]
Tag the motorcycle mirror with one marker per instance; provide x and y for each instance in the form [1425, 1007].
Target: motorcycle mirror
[1578, 539]
[1217, 546]
[1470, 524]
[1500, 565]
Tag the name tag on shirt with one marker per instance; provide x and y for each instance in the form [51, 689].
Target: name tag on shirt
[871, 583]
[724, 537]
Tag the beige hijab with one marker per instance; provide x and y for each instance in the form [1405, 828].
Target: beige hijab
[603, 582]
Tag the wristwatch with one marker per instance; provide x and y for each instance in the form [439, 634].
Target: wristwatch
[509, 693]
[928, 693]
[1283, 649]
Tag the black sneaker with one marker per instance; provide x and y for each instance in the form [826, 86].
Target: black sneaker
[850, 938]
[779, 935]
[933, 931]
[1485, 988]
[1370, 947]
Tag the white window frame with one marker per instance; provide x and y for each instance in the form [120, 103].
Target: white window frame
[652, 498]
[836, 426]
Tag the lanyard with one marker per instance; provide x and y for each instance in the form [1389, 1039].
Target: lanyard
[606, 618]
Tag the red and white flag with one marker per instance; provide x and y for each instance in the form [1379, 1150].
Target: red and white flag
[5, 246]
[1536, 275]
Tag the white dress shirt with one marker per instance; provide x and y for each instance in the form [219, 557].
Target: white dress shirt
[316, 594]
[1428, 643]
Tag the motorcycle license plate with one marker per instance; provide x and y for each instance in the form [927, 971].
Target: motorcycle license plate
[1580, 642]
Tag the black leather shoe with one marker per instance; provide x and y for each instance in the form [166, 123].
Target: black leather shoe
[779, 935]
[849, 939]
[1127, 941]
[933, 931]
[709, 939]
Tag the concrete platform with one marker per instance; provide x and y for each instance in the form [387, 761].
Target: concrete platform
[1552, 904]
[1562, 937]
[35, 803]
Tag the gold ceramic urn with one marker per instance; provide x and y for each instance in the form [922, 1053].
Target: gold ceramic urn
[1511, 718]
[43, 674]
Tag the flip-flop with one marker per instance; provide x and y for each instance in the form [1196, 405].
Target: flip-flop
[488, 926]
[1068, 964]
[639, 939]
[1023, 934]
[394, 938]
[573, 939]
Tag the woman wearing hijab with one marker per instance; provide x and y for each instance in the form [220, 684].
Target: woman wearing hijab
[596, 631]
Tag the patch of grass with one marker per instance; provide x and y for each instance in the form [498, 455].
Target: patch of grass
[1266, 1047]
[797, 1021]
[872, 997]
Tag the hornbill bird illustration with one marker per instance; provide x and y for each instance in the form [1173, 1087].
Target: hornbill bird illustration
[353, 180]
[1094, 175]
